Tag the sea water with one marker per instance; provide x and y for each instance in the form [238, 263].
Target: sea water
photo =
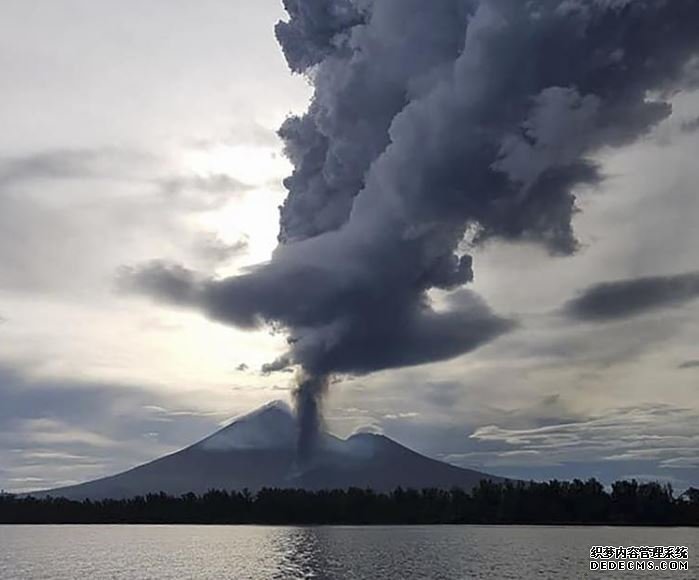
[342, 553]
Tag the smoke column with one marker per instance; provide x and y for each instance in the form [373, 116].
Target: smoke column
[308, 398]
[435, 125]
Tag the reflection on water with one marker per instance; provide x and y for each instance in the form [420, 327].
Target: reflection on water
[329, 553]
[301, 553]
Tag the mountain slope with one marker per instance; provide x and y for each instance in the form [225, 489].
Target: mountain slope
[382, 464]
[257, 450]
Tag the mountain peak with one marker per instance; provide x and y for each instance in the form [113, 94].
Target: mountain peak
[271, 426]
[365, 444]
[257, 450]
[277, 406]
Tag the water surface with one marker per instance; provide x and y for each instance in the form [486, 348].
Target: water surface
[342, 553]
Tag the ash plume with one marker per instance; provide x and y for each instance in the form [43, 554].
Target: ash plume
[432, 120]
[308, 398]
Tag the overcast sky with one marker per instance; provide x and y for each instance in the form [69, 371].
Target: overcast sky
[137, 131]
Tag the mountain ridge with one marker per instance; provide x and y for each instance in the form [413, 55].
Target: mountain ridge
[257, 450]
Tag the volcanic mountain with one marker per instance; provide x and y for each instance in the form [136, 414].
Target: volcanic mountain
[258, 450]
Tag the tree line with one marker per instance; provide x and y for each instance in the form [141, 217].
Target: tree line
[554, 502]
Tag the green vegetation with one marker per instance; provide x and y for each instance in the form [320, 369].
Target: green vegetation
[555, 502]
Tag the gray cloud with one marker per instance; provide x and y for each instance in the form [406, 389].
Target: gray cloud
[110, 163]
[242, 133]
[690, 364]
[53, 431]
[57, 164]
[690, 126]
[197, 193]
[58, 203]
[660, 433]
[93, 406]
[635, 297]
[550, 437]
[214, 250]
[557, 344]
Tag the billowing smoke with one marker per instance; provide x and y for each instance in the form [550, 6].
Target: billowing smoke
[436, 125]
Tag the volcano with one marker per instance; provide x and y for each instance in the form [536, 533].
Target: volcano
[259, 450]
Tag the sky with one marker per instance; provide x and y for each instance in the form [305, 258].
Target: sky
[136, 132]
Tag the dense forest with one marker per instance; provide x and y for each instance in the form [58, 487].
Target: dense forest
[555, 502]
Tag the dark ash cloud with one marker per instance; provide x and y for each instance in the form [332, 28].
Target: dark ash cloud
[431, 120]
[635, 297]
[171, 282]
[314, 29]
[280, 365]
[404, 335]
[426, 124]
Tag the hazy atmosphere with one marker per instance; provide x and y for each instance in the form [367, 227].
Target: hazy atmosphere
[141, 185]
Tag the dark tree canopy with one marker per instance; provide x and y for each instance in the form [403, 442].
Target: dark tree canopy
[555, 502]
